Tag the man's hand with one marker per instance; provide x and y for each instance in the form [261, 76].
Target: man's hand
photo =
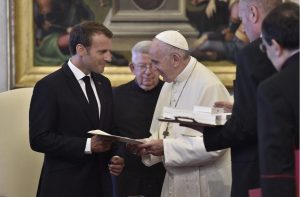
[154, 147]
[224, 104]
[133, 148]
[116, 165]
[100, 144]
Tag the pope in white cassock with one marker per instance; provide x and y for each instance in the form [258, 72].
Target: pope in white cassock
[191, 171]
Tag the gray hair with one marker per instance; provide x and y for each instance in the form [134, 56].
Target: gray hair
[265, 5]
[141, 47]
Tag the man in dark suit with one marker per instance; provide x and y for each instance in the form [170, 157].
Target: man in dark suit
[278, 103]
[240, 132]
[65, 105]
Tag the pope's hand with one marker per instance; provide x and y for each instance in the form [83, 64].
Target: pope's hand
[224, 104]
[134, 148]
[154, 147]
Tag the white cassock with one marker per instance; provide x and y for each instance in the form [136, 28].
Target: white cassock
[191, 171]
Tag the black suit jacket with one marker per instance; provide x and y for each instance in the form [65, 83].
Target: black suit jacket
[278, 126]
[59, 121]
[240, 132]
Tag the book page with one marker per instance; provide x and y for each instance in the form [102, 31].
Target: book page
[115, 137]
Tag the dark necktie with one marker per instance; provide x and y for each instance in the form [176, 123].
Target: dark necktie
[93, 105]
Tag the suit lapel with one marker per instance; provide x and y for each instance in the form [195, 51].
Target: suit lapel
[78, 93]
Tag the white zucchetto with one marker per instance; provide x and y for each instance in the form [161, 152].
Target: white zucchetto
[173, 38]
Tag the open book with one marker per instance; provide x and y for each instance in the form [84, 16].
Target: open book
[200, 115]
[115, 137]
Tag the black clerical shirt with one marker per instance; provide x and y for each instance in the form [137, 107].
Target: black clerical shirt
[133, 112]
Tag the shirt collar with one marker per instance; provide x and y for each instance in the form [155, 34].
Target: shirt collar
[76, 71]
[294, 52]
[186, 71]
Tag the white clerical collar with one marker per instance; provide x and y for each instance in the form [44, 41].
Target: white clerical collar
[186, 71]
[76, 71]
[294, 52]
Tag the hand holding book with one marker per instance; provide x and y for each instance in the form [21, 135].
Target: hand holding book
[199, 116]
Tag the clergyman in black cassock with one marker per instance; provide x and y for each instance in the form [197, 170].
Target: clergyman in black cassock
[134, 105]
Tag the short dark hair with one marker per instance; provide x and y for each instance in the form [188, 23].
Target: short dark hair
[82, 33]
[282, 25]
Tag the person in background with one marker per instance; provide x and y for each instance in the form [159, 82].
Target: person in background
[278, 104]
[134, 104]
[240, 131]
[224, 44]
[190, 169]
[65, 105]
[207, 15]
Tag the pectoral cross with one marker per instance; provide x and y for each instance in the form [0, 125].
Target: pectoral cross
[166, 133]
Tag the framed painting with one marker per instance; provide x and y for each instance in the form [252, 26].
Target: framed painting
[26, 70]
[29, 66]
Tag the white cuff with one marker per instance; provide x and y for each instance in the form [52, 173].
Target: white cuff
[150, 160]
[87, 149]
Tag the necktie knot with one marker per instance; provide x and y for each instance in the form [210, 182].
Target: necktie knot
[86, 79]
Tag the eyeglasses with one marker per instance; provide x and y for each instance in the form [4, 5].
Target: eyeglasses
[263, 47]
[143, 67]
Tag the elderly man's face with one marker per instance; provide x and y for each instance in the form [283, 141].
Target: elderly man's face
[244, 15]
[146, 76]
[162, 61]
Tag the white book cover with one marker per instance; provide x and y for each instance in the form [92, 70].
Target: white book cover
[200, 114]
[169, 112]
[213, 119]
[210, 110]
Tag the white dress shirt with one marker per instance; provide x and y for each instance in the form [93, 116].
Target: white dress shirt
[79, 75]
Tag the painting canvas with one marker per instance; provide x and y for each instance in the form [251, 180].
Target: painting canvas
[40, 35]
[53, 21]
[36, 53]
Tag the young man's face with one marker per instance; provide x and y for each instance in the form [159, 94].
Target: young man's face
[98, 54]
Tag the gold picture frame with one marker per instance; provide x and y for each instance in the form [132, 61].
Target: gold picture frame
[26, 74]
